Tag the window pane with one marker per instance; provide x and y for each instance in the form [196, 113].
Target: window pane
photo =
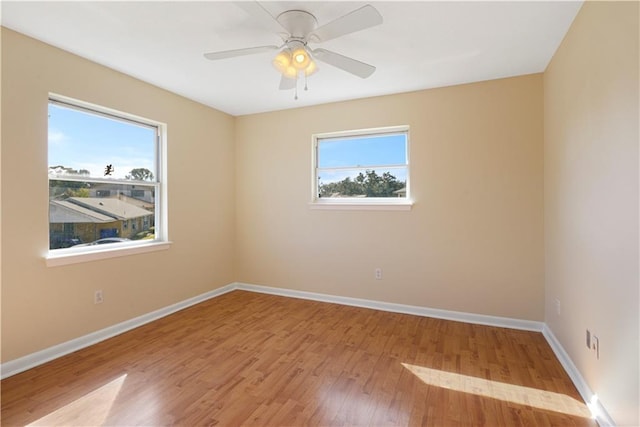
[361, 182]
[96, 160]
[92, 145]
[91, 213]
[363, 151]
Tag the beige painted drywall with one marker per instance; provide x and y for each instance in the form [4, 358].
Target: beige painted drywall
[44, 306]
[473, 240]
[591, 200]
[0, 195]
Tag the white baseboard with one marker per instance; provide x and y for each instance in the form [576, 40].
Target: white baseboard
[480, 319]
[595, 406]
[40, 357]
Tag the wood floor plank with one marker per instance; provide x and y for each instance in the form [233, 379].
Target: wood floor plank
[262, 360]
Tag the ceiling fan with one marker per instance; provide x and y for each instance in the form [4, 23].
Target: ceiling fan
[297, 29]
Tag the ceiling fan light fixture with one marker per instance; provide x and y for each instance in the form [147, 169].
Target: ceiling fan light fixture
[311, 68]
[301, 58]
[282, 61]
[290, 64]
[290, 72]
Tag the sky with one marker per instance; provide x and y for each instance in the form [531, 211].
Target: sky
[86, 141]
[81, 140]
[386, 153]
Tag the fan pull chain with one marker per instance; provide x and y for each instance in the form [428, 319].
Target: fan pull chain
[296, 95]
[305, 82]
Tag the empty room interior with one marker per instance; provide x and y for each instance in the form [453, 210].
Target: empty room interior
[326, 213]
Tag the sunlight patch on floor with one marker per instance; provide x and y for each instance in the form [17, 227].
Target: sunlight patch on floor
[541, 399]
[89, 410]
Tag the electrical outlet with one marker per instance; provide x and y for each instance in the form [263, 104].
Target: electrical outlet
[595, 345]
[378, 273]
[589, 339]
[98, 298]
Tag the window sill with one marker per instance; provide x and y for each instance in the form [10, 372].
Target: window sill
[66, 257]
[359, 204]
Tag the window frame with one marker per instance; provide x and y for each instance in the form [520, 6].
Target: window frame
[72, 255]
[359, 203]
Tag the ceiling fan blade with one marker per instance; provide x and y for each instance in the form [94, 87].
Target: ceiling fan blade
[238, 52]
[365, 17]
[286, 84]
[345, 63]
[262, 16]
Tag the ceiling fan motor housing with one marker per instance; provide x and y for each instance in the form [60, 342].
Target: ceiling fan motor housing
[298, 23]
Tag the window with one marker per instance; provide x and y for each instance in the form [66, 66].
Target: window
[359, 168]
[96, 158]
[139, 194]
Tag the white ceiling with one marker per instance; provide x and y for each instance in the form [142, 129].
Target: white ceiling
[420, 45]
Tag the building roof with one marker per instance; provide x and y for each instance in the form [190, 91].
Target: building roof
[112, 207]
[137, 202]
[63, 211]
[403, 190]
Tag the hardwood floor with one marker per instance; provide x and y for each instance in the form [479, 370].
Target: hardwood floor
[252, 359]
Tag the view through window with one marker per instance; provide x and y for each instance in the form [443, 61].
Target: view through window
[367, 164]
[104, 180]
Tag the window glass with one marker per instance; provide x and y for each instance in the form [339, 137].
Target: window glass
[363, 151]
[103, 177]
[367, 164]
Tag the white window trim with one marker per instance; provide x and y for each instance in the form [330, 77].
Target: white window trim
[369, 205]
[75, 256]
[361, 206]
[357, 203]
[66, 256]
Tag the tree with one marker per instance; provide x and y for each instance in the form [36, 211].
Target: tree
[140, 174]
[368, 184]
[80, 192]
[62, 188]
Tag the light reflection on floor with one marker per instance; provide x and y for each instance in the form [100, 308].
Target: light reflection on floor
[93, 408]
[89, 410]
[541, 399]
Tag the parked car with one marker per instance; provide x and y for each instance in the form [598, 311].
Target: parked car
[65, 242]
[104, 241]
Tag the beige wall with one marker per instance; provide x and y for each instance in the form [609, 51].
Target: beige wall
[591, 200]
[473, 240]
[0, 195]
[44, 306]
